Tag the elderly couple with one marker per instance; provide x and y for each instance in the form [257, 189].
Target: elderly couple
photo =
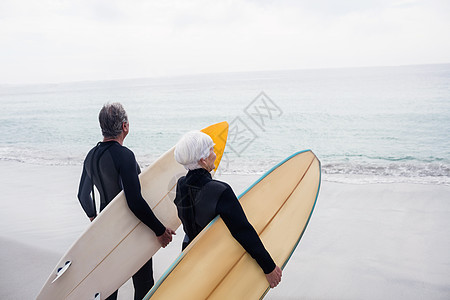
[111, 167]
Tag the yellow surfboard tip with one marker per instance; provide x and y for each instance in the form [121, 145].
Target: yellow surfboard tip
[219, 134]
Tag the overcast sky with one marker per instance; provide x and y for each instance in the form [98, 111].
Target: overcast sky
[59, 41]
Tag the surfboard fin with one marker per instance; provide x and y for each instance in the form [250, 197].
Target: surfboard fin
[62, 270]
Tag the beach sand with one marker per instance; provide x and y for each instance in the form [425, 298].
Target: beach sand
[364, 241]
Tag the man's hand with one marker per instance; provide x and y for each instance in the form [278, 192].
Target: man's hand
[165, 238]
[274, 277]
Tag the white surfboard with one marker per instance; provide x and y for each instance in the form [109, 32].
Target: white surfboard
[215, 266]
[116, 245]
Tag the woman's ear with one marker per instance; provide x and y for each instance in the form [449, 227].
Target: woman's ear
[202, 162]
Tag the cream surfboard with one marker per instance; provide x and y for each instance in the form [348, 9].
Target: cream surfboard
[215, 266]
[117, 244]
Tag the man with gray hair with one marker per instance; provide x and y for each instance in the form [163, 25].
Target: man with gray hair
[111, 167]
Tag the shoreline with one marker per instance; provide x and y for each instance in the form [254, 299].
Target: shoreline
[340, 176]
[367, 240]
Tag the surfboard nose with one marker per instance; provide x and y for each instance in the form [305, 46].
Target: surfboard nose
[219, 134]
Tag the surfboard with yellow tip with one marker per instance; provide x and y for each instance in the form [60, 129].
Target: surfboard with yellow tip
[117, 243]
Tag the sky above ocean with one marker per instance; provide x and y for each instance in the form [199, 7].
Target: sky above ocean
[61, 41]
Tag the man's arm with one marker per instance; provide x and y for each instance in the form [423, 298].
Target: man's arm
[136, 203]
[84, 195]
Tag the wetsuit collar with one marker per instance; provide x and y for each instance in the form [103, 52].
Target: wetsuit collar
[108, 142]
[199, 172]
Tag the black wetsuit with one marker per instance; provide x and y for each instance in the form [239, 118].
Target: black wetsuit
[199, 199]
[113, 168]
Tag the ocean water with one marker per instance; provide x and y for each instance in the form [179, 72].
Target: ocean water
[381, 124]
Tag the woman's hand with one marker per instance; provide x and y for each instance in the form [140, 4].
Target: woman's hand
[274, 277]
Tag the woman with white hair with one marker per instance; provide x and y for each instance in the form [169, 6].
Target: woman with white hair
[200, 199]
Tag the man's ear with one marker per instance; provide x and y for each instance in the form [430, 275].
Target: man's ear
[125, 126]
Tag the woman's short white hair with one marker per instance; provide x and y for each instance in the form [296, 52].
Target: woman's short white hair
[192, 147]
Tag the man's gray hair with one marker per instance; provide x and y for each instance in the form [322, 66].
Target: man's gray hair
[111, 118]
